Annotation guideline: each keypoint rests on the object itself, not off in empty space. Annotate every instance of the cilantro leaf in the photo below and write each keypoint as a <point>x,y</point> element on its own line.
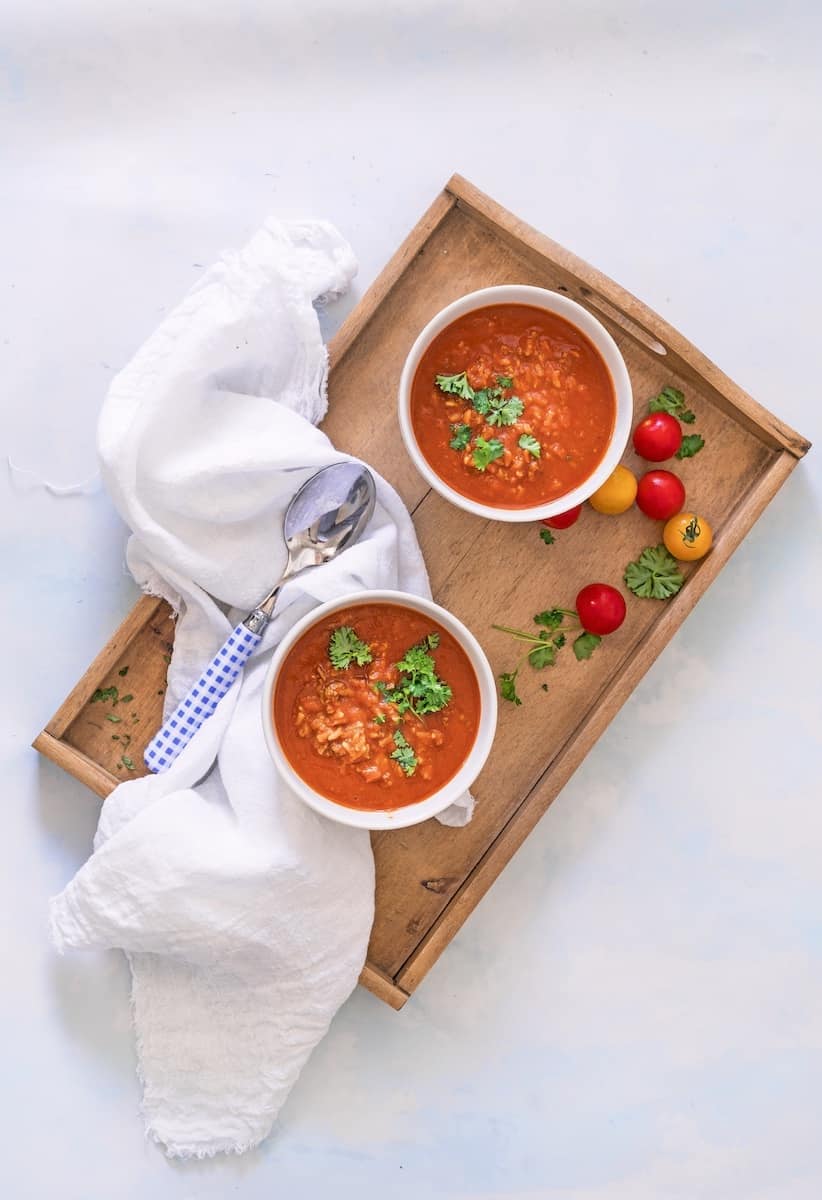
<point>420,689</point>
<point>482,400</point>
<point>379,719</point>
<point>655,574</point>
<point>692,443</point>
<point>128,763</point>
<point>505,412</point>
<point>114,719</point>
<point>486,452</point>
<point>552,618</point>
<point>504,381</point>
<point>404,754</point>
<point>528,442</point>
<point>345,647</point>
<point>559,641</point>
<point>460,436</point>
<point>547,537</point>
<point>542,656</point>
<point>455,385</point>
<point>671,400</point>
<point>508,687</point>
<point>585,645</point>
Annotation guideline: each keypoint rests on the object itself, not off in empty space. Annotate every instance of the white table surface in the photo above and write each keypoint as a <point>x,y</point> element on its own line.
<point>635,1011</point>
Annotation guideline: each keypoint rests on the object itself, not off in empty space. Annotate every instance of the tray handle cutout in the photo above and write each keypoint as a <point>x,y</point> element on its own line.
<point>604,308</point>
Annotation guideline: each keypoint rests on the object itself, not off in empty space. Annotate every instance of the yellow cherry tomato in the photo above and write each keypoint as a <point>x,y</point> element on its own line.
<point>688,536</point>
<point>616,494</point>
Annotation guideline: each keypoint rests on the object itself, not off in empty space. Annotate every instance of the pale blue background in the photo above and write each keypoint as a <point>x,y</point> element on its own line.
<point>635,1012</point>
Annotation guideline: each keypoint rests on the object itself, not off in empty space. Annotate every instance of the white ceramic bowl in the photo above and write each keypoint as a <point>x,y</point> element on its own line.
<point>585,322</point>
<point>410,814</point>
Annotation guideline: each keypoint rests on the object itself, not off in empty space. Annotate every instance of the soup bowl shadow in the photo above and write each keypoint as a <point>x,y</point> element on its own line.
<point>588,325</point>
<point>452,789</point>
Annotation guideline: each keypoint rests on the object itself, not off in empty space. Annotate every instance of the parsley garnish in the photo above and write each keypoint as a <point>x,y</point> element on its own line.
<point>486,452</point>
<point>461,436</point>
<point>547,537</point>
<point>345,647</point>
<point>692,443</point>
<point>552,618</point>
<point>504,381</point>
<point>542,646</point>
<point>528,442</point>
<point>455,385</point>
<point>504,412</point>
<point>655,574</point>
<point>585,645</point>
<point>508,686</point>
<point>114,719</point>
<point>404,754</point>
<point>671,400</point>
<point>420,690</point>
<point>109,693</point>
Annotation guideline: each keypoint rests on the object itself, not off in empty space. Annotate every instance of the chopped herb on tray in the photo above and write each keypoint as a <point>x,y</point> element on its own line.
<point>600,609</point>
<point>654,575</point>
<point>692,443</point>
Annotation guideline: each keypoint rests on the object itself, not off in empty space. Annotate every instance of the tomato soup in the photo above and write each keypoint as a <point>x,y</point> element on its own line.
<point>512,406</point>
<point>376,706</point>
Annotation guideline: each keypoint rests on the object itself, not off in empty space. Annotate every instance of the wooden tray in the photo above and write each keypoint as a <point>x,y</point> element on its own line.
<point>429,878</point>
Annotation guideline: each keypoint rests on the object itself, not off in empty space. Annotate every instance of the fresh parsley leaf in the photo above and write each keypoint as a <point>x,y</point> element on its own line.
<point>505,412</point>
<point>455,385</point>
<point>671,400</point>
<point>420,689</point>
<point>504,381</point>
<point>379,719</point>
<point>552,618</point>
<point>559,641</point>
<point>460,436</point>
<point>585,645</point>
<point>508,687</point>
<point>547,537</point>
<point>692,443</point>
<point>655,574</point>
<point>529,443</point>
<point>128,763</point>
<point>486,452</point>
<point>109,693</point>
<point>404,754</point>
<point>114,719</point>
<point>482,400</point>
<point>126,699</point>
<point>542,656</point>
<point>345,647</point>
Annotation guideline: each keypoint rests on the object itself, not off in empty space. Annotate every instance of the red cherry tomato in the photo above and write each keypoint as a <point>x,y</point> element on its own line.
<point>601,608</point>
<point>564,520</point>
<point>658,437</point>
<point>660,495</point>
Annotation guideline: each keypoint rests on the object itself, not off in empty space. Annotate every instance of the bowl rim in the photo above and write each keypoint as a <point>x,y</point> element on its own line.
<point>421,810</point>
<point>588,325</point>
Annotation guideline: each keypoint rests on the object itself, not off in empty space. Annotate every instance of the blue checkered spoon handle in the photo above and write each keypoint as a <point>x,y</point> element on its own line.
<point>181,725</point>
<point>326,515</point>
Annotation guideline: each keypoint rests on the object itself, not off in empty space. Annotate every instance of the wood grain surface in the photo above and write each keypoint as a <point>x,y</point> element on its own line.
<point>429,877</point>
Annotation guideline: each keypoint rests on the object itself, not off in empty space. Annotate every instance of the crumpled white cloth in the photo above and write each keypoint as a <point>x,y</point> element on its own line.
<point>244,914</point>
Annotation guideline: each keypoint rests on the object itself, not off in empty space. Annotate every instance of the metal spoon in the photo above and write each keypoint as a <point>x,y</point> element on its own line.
<point>328,513</point>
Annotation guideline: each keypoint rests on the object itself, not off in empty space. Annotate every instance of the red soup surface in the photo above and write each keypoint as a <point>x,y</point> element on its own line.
<point>376,706</point>
<point>524,409</point>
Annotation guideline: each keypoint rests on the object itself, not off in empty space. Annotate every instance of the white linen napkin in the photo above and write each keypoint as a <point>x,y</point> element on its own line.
<point>244,914</point>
